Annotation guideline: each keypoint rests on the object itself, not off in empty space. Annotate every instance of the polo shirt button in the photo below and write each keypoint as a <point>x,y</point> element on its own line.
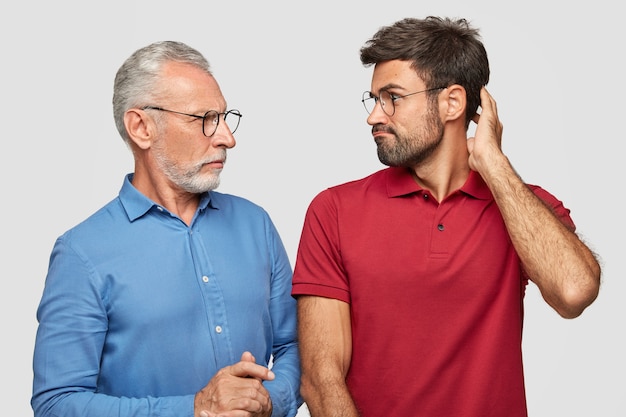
<point>440,227</point>
<point>425,196</point>
<point>205,278</point>
<point>218,329</point>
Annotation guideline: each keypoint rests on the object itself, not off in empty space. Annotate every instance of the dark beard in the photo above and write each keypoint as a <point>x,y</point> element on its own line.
<point>413,150</point>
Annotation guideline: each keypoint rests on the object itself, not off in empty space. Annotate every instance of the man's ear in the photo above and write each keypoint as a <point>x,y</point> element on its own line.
<point>454,102</point>
<point>140,128</point>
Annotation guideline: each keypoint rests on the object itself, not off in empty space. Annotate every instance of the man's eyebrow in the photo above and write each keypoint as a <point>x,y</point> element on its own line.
<point>391,86</point>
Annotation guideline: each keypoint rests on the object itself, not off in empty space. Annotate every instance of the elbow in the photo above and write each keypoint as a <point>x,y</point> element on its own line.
<point>316,388</point>
<point>571,310</point>
<point>576,298</point>
<point>307,388</point>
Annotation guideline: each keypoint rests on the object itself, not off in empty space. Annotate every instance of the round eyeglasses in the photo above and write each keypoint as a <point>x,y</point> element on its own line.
<point>210,119</point>
<point>387,100</point>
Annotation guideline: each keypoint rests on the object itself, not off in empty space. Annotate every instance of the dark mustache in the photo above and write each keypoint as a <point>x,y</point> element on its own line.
<point>382,128</point>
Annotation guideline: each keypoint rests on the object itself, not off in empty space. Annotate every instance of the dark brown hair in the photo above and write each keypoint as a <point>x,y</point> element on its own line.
<point>442,51</point>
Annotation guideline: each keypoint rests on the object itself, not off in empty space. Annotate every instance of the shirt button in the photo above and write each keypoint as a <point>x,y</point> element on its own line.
<point>440,227</point>
<point>425,196</point>
<point>218,329</point>
<point>205,278</point>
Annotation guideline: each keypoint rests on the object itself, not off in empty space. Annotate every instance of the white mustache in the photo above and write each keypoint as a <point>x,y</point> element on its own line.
<point>220,157</point>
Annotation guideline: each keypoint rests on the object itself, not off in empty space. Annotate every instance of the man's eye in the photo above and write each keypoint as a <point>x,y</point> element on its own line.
<point>394,97</point>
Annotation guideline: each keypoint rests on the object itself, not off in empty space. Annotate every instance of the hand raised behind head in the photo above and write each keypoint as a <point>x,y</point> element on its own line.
<point>486,143</point>
<point>235,391</point>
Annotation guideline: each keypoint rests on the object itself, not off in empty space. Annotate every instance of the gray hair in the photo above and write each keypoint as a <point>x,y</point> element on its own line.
<point>135,81</point>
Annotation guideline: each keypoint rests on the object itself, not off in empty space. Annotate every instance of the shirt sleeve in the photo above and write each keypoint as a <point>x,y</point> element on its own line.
<point>557,207</point>
<point>285,388</point>
<point>68,348</point>
<point>319,266</point>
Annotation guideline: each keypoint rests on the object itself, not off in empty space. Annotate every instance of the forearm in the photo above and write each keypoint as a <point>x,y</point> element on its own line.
<point>86,404</point>
<point>326,350</point>
<point>285,388</point>
<point>565,270</point>
<point>327,398</point>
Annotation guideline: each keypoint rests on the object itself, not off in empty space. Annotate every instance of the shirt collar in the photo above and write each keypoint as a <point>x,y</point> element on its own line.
<point>136,204</point>
<point>400,182</point>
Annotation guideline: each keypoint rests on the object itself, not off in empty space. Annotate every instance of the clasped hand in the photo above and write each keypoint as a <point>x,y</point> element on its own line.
<point>236,391</point>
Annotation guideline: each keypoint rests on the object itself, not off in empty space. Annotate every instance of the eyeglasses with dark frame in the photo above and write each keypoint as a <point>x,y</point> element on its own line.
<point>386,100</point>
<point>210,119</point>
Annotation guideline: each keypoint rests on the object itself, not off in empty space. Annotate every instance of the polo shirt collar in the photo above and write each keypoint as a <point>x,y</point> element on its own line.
<point>400,182</point>
<point>136,204</point>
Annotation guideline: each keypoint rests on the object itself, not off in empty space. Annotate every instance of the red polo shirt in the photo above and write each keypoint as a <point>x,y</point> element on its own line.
<point>435,291</point>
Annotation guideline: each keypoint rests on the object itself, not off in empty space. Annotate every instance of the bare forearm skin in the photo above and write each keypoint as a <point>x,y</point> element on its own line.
<point>555,259</point>
<point>327,399</point>
<point>325,342</point>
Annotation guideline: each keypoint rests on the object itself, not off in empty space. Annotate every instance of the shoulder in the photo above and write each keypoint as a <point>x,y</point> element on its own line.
<point>94,235</point>
<point>349,198</point>
<point>376,181</point>
<point>105,218</point>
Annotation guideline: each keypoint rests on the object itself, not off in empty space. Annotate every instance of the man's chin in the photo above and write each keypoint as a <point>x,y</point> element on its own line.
<point>199,187</point>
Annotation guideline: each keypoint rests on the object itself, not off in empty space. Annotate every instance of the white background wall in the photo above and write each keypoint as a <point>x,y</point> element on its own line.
<point>294,72</point>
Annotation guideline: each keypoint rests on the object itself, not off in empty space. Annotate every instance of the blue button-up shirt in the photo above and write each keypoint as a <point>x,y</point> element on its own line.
<point>139,310</point>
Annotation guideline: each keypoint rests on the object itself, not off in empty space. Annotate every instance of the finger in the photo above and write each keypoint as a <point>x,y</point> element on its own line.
<point>230,413</point>
<point>247,357</point>
<point>227,392</point>
<point>251,369</point>
<point>253,401</point>
<point>233,413</point>
<point>249,396</point>
<point>487,102</point>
